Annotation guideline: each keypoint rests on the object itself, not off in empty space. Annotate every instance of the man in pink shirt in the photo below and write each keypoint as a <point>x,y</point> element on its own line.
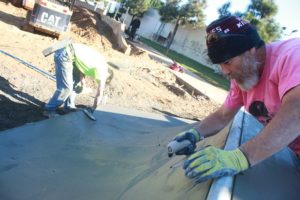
<point>266,80</point>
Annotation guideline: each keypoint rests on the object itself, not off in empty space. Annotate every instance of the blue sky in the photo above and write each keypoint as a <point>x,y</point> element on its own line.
<point>288,14</point>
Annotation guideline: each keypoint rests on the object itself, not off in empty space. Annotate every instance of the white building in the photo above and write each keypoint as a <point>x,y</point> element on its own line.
<point>188,41</point>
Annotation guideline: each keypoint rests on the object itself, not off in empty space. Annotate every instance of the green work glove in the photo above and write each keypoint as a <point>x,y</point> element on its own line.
<point>193,136</point>
<point>211,162</point>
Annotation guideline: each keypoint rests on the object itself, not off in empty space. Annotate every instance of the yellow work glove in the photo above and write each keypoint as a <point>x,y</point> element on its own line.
<point>191,135</point>
<point>211,162</point>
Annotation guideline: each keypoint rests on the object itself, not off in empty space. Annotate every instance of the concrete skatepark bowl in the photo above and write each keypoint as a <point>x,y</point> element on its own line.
<point>120,156</point>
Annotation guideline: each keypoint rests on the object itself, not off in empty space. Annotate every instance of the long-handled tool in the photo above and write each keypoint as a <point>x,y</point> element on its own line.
<point>89,114</point>
<point>30,66</point>
<point>58,45</point>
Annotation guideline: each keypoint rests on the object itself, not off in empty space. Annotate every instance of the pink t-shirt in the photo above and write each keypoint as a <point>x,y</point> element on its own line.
<point>281,73</point>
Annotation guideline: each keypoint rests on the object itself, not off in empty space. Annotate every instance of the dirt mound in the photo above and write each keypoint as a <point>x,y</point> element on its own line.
<point>84,28</point>
<point>84,25</point>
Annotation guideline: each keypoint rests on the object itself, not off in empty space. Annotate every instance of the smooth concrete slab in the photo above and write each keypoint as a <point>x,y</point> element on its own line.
<point>276,178</point>
<point>120,156</point>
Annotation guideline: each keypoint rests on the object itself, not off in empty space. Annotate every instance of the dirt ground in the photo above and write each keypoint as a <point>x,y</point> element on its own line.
<point>144,85</point>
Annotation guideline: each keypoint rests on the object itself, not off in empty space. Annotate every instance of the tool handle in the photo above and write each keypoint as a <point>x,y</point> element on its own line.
<point>175,146</point>
<point>58,45</point>
<point>88,114</point>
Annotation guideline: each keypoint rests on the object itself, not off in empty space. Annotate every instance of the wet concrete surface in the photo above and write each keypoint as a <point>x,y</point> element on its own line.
<point>122,155</point>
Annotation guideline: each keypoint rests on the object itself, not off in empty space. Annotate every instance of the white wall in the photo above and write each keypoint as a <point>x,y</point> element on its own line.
<point>191,43</point>
<point>149,24</point>
<point>188,41</point>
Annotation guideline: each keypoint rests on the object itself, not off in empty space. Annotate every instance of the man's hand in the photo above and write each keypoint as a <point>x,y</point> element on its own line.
<point>191,135</point>
<point>78,88</point>
<point>212,162</point>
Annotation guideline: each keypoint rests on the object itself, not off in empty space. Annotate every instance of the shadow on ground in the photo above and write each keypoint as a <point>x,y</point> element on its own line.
<point>19,108</point>
<point>11,19</point>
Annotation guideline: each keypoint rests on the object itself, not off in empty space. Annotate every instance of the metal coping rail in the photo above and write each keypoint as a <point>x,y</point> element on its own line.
<point>221,188</point>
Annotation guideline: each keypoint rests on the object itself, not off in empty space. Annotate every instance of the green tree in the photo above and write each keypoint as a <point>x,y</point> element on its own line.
<point>262,8</point>
<point>259,13</point>
<point>156,4</point>
<point>138,7</point>
<point>224,10</point>
<point>181,13</point>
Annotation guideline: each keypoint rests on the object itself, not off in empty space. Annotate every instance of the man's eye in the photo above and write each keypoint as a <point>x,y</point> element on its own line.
<point>227,62</point>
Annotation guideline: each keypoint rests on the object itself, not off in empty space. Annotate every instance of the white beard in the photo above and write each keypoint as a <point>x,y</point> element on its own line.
<point>249,82</point>
<point>250,73</point>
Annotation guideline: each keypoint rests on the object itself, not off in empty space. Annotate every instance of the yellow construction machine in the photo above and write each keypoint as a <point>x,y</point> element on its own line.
<point>49,16</point>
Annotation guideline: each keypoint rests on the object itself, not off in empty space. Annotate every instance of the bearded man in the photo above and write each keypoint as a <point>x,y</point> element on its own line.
<point>265,79</point>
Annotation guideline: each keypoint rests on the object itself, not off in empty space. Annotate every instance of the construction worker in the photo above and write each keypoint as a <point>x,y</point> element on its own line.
<point>134,26</point>
<point>265,79</point>
<point>72,64</point>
